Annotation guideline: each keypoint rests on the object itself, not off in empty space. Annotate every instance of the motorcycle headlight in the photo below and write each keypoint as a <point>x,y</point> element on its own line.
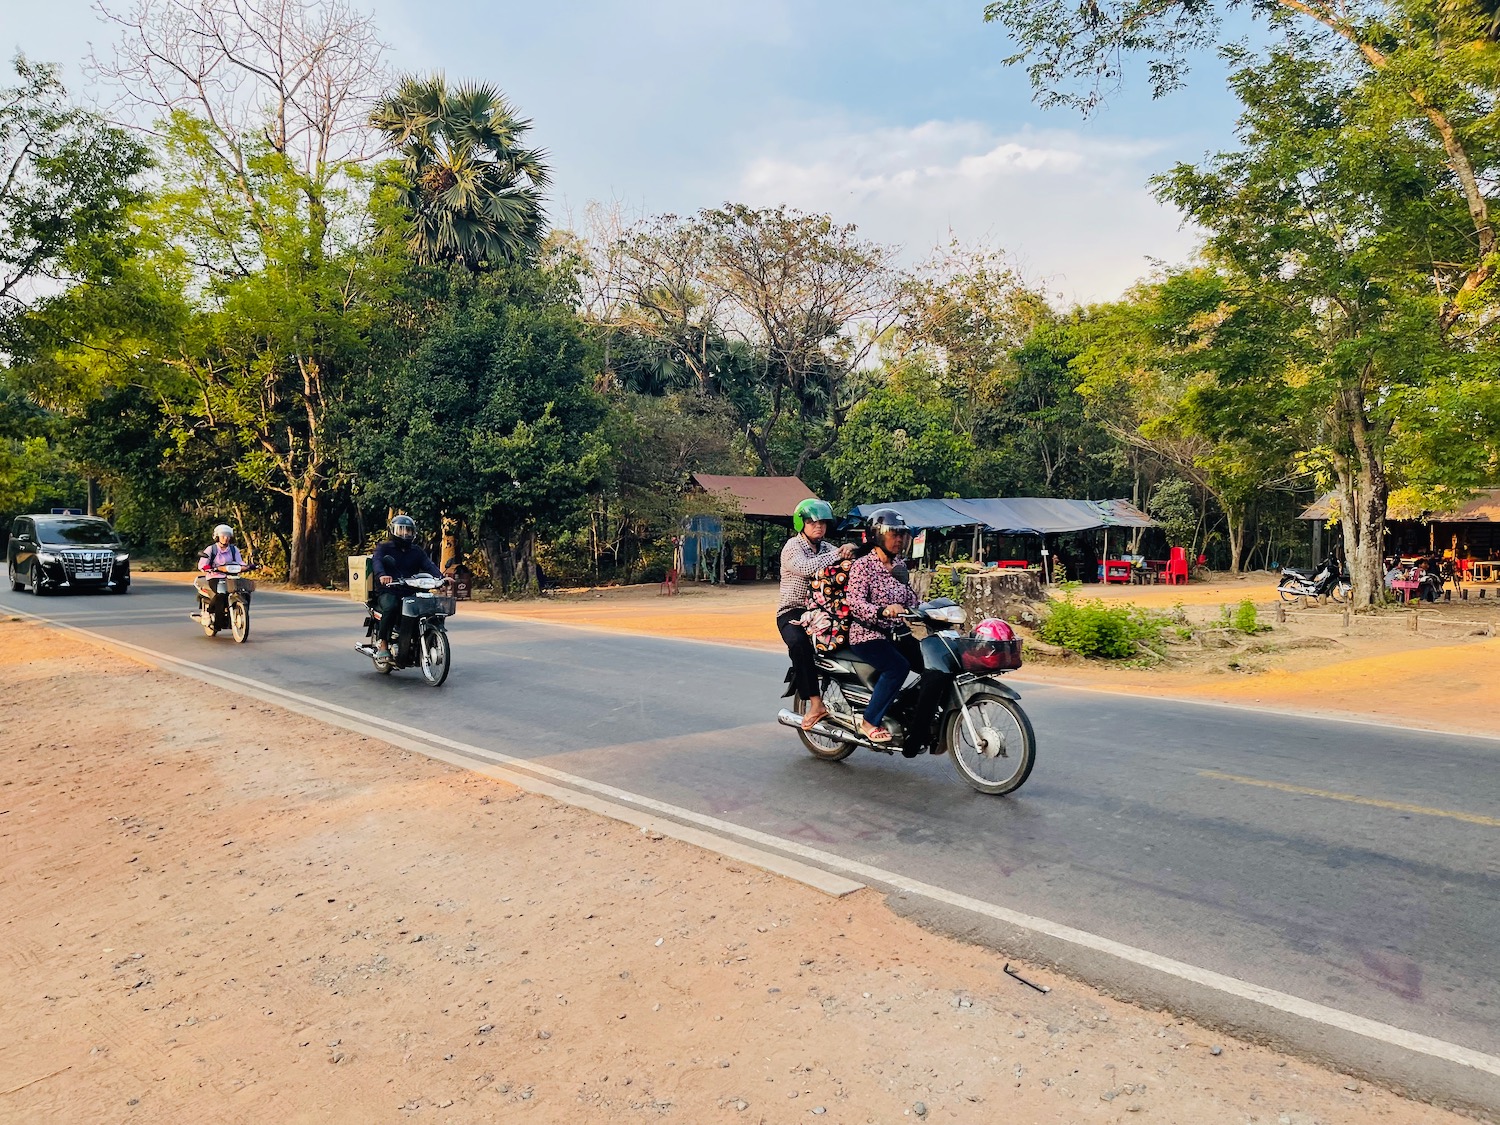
<point>952,614</point>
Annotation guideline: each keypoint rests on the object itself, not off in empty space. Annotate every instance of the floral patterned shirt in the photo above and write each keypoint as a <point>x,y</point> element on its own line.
<point>872,587</point>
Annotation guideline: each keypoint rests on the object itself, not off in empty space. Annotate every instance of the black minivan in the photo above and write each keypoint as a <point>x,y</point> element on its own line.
<point>51,553</point>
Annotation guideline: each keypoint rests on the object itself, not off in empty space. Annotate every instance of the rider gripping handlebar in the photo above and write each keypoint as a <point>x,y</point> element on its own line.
<point>396,559</point>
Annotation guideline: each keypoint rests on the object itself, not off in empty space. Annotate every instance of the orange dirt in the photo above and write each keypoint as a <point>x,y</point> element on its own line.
<point>216,911</point>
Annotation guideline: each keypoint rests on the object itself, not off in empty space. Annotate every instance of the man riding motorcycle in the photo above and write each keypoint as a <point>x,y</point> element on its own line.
<point>396,559</point>
<point>221,552</point>
<point>803,556</point>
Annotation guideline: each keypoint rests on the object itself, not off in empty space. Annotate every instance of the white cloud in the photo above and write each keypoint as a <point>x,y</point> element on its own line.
<point>1072,210</point>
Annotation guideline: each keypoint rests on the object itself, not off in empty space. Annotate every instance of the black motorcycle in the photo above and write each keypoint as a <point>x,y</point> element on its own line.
<point>234,608</point>
<point>420,637</point>
<point>1327,580</point>
<point>979,720</point>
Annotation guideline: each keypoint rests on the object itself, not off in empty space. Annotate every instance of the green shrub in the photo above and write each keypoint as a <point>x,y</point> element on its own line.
<point>1245,618</point>
<point>1096,628</point>
<point>946,584</point>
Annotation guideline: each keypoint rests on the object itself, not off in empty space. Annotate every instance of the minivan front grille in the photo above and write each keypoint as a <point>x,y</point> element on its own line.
<point>88,563</point>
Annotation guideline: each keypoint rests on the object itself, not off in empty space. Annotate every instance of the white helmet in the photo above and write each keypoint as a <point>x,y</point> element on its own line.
<point>223,529</point>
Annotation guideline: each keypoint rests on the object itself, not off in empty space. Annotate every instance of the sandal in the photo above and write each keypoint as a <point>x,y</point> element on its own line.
<point>878,735</point>
<point>812,719</point>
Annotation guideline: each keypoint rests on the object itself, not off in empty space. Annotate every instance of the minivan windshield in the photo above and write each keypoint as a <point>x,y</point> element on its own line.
<point>85,532</point>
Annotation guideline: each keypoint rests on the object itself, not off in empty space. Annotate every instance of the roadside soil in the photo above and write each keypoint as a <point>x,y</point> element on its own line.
<point>218,911</point>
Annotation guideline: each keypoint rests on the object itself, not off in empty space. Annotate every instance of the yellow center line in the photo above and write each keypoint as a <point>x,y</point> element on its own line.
<point>1397,806</point>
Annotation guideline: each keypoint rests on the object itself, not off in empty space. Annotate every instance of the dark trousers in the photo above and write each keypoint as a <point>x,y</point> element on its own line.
<point>892,667</point>
<point>390,612</point>
<point>800,648</point>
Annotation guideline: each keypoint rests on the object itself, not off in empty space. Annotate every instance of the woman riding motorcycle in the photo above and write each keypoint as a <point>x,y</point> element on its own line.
<point>221,552</point>
<point>398,558</point>
<point>875,597</point>
<point>804,555</point>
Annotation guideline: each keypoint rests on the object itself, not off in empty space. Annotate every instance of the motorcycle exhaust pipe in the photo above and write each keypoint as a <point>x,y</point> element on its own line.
<point>827,730</point>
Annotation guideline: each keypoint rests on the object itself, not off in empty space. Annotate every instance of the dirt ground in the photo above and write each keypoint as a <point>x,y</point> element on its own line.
<point>217,911</point>
<point>1443,676</point>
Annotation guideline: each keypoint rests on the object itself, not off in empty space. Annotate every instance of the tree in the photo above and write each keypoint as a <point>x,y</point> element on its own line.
<point>1192,369</point>
<point>491,415</point>
<point>472,193</point>
<point>262,109</point>
<point>66,180</point>
<point>899,444</point>
<point>1334,214</point>
<point>1434,63</point>
<point>775,310</point>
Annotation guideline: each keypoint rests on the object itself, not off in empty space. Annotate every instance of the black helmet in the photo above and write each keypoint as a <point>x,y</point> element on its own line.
<point>404,527</point>
<point>883,520</point>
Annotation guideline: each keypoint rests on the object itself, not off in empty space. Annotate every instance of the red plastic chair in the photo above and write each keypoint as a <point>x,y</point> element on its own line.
<point>1177,567</point>
<point>668,584</point>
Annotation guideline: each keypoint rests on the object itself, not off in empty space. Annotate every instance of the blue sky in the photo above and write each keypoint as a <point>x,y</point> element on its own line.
<point>897,116</point>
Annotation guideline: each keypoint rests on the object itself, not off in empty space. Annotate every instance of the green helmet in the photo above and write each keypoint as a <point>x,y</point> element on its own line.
<point>809,511</point>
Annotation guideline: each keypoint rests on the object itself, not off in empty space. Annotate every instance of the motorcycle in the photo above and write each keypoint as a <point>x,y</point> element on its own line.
<point>1326,581</point>
<point>234,611</point>
<point>420,637</point>
<point>980,723</point>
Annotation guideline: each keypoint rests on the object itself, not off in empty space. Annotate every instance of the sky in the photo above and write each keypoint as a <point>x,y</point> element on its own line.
<point>896,115</point>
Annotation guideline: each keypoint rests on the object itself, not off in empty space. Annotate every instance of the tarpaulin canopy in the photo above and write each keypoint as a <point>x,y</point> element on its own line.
<point>1021,515</point>
<point>921,513</point>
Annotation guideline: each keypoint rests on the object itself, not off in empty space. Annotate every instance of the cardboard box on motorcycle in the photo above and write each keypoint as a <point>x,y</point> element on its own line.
<point>361,577</point>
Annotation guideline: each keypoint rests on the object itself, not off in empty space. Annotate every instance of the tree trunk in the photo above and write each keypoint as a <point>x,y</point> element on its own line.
<point>452,549</point>
<point>1234,523</point>
<point>302,566</point>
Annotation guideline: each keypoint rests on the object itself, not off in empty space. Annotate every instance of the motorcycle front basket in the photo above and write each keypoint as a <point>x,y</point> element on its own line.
<point>239,585</point>
<point>977,655</point>
<point>423,605</point>
<point>446,604</point>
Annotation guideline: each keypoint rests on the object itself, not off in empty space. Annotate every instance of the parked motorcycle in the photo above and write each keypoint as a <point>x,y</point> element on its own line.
<point>421,636</point>
<point>234,611</point>
<point>980,723</point>
<point>1327,580</point>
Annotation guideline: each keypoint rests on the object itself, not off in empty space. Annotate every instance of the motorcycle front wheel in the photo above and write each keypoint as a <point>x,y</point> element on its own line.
<point>821,746</point>
<point>998,720</point>
<point>1340,592</point>
<point>434,652</point>
<point>239,621</point>
<point>206,619</point>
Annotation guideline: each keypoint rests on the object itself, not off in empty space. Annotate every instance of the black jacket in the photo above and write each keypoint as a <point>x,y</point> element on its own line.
<point>402,559</point>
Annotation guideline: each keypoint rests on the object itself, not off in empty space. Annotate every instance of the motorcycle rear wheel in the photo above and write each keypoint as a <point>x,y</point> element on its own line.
<point>1002,717</point>
<point>821,746</point>
<point>239,621</point>
<point>1287,594</point>
<point>434,652</point>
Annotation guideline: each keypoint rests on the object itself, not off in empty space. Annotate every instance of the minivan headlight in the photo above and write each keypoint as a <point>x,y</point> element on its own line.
<point>45,557</point>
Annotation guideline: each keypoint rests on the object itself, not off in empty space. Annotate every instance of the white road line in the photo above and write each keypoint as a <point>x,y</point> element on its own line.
<point>1207,978</point>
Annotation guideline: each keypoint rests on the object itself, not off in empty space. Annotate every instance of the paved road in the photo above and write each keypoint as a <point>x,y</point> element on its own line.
<point>1355,866</point>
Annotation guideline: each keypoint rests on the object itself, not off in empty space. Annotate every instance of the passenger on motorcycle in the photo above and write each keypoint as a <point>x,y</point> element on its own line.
<point>221,552</point>
<point>396,559</point>
<point>876,597</point>
<point>803,556</point>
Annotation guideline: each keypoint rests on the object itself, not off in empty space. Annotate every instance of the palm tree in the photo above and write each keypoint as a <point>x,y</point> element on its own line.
<point>473,193</point>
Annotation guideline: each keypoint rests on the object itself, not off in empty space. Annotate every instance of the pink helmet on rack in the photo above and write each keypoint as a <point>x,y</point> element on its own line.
<point>994,629</point>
